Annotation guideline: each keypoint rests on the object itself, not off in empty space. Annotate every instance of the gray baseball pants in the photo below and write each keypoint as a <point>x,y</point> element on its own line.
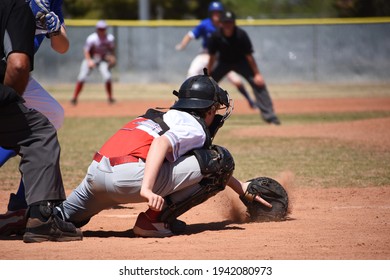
<point>106,186</point>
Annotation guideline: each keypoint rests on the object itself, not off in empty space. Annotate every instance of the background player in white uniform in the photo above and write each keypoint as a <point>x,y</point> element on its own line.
<point>204,30</point>
<point>51,26</point>
<point>99,51</point>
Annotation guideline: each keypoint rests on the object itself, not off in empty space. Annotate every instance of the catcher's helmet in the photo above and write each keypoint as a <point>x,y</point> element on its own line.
<point>200,92</point>
<point>215,7</point>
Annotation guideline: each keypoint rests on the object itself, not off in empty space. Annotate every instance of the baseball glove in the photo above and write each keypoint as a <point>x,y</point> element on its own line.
<point>271,191</point>
<point>111,59</point>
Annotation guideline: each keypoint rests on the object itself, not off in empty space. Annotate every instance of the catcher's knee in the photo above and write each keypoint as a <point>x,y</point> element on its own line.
<point>215,162</point>
<point>217,165</point>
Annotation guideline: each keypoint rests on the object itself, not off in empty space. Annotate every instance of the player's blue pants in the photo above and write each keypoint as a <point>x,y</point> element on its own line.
<point>5,155</point>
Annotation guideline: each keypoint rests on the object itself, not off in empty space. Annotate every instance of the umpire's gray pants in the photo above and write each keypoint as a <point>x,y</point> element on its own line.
<point>35,139</point>
<point>263,98</point>
<point>106,186</point>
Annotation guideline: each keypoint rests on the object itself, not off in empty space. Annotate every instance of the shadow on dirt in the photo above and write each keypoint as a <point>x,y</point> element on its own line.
<point>191,229</point>
<point>12,237</point>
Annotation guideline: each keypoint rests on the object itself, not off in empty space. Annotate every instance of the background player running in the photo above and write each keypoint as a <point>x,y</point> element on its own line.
<point>204,30</point>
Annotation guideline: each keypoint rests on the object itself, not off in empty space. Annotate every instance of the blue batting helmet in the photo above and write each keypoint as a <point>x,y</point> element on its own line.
<point>215,7</point>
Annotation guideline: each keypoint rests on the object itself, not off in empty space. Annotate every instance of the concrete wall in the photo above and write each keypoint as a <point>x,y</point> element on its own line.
<point>334,53</point>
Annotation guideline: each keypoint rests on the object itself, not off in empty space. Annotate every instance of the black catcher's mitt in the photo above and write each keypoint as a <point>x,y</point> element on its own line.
<point>271,191</point>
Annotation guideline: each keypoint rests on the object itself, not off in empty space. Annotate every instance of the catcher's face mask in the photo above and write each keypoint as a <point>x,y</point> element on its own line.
<point>226,102</point>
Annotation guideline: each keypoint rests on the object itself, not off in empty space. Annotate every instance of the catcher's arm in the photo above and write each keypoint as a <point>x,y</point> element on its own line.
<point>240,188</point>
<point>159,148</point>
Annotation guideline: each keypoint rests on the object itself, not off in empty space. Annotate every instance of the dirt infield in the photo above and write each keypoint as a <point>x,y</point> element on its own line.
<point>325,223</point>
<point>124,108</point>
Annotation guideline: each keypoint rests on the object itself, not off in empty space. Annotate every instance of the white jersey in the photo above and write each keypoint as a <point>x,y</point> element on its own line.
<point>99,47</point>
<point>185,133</point>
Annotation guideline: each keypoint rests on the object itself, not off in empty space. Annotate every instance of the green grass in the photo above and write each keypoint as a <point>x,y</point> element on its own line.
<point>315,162</point>
<point>136,91</point>
<point>289,119</point>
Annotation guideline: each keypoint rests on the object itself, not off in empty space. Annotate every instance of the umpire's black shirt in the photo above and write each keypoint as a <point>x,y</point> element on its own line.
<point>230,49</point>
<point>17,26</point>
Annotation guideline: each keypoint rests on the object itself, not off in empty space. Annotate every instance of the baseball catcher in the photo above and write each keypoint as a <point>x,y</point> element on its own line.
<point>272,192</point>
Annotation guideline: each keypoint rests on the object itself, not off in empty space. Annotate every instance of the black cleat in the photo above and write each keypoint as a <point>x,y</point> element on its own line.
<point>54,229</point>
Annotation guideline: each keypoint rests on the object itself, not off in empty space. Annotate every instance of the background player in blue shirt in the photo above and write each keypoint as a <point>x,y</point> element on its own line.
<point>204,30</point>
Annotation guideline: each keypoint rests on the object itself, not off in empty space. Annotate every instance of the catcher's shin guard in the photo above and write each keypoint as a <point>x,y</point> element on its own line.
<point>174,210</point>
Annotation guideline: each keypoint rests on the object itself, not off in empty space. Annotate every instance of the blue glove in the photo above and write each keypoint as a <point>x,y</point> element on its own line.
<point>40,8</point>
<point>53,24</point>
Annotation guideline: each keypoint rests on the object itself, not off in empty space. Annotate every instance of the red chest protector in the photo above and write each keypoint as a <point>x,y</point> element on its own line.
<point>135,137</point>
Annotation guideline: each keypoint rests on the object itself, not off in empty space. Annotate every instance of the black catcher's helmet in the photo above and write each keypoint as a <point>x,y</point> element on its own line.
<point>200,92</point>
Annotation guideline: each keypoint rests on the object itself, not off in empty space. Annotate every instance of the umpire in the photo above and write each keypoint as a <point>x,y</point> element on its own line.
<point>231,50</point>
<point>27,131</point>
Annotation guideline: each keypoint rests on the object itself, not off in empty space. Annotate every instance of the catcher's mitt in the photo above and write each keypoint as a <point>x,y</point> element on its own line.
<point>271,191</point>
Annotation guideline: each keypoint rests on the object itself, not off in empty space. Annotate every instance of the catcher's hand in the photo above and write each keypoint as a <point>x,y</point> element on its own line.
<point>269,190</point>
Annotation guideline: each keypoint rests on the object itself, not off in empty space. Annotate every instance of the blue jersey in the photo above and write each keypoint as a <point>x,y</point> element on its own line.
<point>56,7</point>
<point>204,31</point>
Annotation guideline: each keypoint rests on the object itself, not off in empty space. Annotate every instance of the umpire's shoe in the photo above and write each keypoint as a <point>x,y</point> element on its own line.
<point>44,225</point>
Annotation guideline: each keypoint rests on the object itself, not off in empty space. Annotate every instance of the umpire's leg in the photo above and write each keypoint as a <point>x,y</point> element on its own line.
<point>263,98</point>
<point>32,134</point>
<point>220,71</point>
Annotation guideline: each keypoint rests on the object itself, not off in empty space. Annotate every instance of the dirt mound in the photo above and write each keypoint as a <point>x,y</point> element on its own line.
<point>332,223</point>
